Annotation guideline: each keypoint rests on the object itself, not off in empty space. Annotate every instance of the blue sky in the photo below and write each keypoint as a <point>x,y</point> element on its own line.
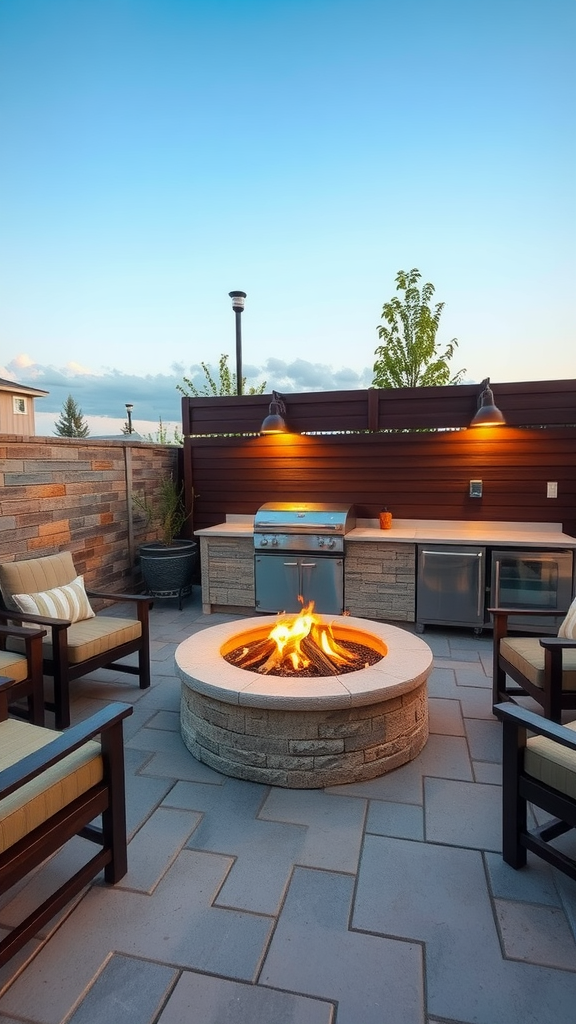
<point>159,153</point>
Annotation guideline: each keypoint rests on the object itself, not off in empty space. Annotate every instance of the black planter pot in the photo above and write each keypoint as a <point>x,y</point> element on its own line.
<point>168,571</point>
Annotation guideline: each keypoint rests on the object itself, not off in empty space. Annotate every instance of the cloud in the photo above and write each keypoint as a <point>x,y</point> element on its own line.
<point>154,397</point>
<point>300,375</point>
<point>77,370</point>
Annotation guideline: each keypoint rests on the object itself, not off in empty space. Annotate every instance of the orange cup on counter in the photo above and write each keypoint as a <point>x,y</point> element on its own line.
<point>385,520</point>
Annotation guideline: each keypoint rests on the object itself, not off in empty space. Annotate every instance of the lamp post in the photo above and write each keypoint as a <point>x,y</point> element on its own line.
<point>238,306</point>
<point>129,407</point>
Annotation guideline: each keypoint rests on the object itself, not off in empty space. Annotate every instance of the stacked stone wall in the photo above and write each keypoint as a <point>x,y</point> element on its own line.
<point>66,494</point>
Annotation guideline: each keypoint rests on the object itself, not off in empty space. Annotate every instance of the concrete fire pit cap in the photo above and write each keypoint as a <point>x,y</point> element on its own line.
<point>200,665</point>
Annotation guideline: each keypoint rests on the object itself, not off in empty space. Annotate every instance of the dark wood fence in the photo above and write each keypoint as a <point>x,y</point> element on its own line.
<point>532,403</point>
<point>408,449</point>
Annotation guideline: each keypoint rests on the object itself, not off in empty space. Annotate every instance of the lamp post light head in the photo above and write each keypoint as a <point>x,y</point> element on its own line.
<point>129,407</point>
<point>237,301</point>
<point>238,306</point>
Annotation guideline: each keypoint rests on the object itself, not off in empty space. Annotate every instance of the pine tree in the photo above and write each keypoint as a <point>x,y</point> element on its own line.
<point>71,422</point>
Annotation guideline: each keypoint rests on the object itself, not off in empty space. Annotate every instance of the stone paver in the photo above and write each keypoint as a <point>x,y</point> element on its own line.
<point>538,935</point>
<point>381,902</point>
<point>197,999</point>
<point>374,979</point>
<point>128,990</point>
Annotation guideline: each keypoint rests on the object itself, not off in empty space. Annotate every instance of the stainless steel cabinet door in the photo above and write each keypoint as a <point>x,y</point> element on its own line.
<point>281,579</point>
<point>451,585</point>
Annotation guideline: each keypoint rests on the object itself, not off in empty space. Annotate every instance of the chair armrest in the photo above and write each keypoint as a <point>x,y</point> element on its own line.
<point>140,599</point>
<point>39,620</point>
<point>525,719</point>
<point>557,642</point>
<point>118,597</point>
<point>29,767</point>
<point>21,631</point>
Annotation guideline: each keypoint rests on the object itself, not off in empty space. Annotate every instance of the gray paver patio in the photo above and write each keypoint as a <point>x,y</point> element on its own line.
<point>383,902</point>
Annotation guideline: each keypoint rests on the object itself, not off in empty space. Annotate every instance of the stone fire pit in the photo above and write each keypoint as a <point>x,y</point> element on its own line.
<point>304,733</point>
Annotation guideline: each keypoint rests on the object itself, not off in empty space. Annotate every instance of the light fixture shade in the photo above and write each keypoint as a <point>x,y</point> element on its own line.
<point>274,423</point>
<point>237,301</point>
<point>488,414</point>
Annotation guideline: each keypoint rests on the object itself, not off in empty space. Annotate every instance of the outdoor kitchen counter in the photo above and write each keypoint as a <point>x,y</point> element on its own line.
<point>379,565</point>
<point>422,531</point>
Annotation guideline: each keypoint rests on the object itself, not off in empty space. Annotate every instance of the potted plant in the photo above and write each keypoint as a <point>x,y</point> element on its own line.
<point>167,564</point>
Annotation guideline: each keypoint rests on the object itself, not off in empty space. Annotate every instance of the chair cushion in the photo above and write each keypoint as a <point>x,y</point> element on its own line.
<point>568,626</point>
<point>33,575</point>
<point>36,801</point>
<point>90,638</point>
<point>15,666</point>
<point>526,654</point>
<point>68,602</point>
<point>551,763</point>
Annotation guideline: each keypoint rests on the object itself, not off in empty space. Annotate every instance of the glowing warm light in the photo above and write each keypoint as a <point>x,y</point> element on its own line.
<point>289,635</point>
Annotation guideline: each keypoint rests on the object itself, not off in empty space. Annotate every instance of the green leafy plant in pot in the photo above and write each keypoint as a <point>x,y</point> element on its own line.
<point>167,564</point>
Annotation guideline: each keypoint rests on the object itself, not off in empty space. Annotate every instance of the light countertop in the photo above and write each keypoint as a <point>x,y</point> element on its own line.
<point>427,531</point>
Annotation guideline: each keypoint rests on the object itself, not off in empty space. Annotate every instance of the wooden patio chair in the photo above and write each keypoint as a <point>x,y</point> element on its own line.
<point>539,768</point>
<point>543,668</point>
<point>25,671</point>
<point>52,787</point>
<point>48,592</point>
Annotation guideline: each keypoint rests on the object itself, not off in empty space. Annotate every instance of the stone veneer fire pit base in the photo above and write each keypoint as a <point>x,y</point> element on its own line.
<point>304,733</point>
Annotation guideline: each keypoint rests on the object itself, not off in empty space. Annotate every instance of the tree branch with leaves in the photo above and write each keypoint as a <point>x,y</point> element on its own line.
<point>410,356</point>
<point>225,385</point>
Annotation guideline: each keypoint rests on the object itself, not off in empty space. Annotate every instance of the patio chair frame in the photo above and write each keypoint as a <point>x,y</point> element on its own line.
<point>552,697</point>
<point>64,672</point>
<point>105,799</point>
<point>32,688</point>
<point>519,788</point>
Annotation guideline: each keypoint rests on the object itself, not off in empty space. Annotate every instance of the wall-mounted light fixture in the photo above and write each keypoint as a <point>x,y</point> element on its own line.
<point>275,422</point>
<point>488,414</point>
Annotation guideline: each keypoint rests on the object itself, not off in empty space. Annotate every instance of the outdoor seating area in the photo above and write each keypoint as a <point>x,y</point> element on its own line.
<point>53,787</point>
<point>543,668</point>
<point>384,901</point>
<point>47,591</point>
<point>539,766</point>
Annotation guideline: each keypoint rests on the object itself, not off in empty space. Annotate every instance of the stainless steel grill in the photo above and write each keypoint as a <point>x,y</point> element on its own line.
<point>299,556</point>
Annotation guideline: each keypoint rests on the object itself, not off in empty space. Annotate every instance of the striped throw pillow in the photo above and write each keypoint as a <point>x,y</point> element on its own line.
<point>568,628</point>
<point>69,602</point>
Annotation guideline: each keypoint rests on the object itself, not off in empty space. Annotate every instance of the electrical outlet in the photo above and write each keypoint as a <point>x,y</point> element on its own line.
<point>552,489</point>
<point>475,489</point>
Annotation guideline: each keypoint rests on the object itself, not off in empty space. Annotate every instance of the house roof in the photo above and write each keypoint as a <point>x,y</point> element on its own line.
<point>20,389</point>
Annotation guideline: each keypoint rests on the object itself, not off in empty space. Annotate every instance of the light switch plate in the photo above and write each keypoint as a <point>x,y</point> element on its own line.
<point>552,489</point>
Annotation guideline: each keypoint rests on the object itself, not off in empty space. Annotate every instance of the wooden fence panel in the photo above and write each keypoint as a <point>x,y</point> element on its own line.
<point>530,403</point>
<point>416,474</point>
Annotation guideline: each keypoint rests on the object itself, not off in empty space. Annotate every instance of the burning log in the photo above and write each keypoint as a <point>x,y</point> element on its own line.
<point>245,657</point>
<point>318,658</point>
<point>302,646</point>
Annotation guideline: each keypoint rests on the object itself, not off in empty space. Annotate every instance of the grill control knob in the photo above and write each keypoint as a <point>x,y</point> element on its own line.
<point>274,542</point>
<point>263,542</point>
<point>331,542</point>
<point>321,542</point>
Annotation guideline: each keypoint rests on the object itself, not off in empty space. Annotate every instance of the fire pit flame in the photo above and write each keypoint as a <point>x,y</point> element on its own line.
<point>302,644</point>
